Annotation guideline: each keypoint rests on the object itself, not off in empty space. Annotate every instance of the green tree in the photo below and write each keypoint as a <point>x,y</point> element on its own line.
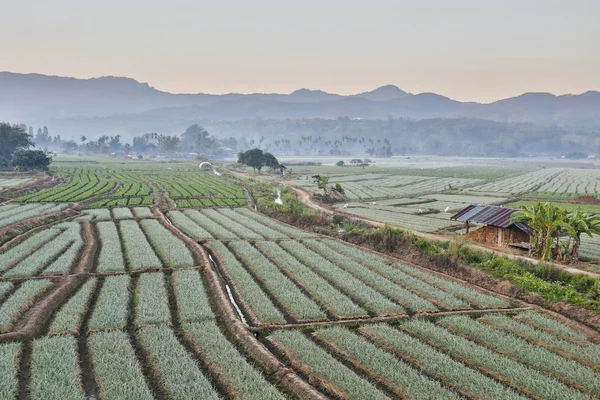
<point>31,159</point>
<point>322,181</point>
<point>578,223</point>
<point>547,222</point>
<point>253,158</point>
<point>196,138</point>
<point>13,138</point>
<point>83,139</point>
<point>269,160</point>
<point>557,233</point>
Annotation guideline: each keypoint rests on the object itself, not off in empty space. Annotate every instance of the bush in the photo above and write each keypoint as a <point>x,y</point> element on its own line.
<point>31,159</point>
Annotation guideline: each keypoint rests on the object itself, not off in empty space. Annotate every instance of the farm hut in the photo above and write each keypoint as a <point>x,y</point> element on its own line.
<point>498,230</point>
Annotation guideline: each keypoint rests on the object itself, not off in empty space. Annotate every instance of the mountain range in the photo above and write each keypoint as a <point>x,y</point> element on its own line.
<point>123,105</point>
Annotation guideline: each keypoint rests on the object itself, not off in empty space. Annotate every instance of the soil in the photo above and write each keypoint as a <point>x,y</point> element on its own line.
<point>586,199</point>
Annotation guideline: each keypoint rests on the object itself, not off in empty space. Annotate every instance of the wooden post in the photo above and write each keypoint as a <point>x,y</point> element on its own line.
<point>467,223</point>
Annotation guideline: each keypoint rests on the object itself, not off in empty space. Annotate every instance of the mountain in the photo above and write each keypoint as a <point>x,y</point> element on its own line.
<point>383,93</point>
<point>123,105</point>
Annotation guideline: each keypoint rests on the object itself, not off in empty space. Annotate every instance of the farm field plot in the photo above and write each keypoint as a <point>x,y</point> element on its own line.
<point>325,279</point>
<point>590,249</point>
<point>357,188</point>
<point>232,224</point>
<point>10,182</point>
<point>13,213</point>
<point>131,186</point>
<point>412,220</point>
<point>136,329</point>
<point>549,181</point>
<point>587,208</point>
<point>490,356</point>
<point>52,251</point>
<point>116,213</point>
<point>153,360</point>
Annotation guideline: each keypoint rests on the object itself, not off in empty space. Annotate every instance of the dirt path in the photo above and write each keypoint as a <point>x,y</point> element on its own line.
<point>306,198</point>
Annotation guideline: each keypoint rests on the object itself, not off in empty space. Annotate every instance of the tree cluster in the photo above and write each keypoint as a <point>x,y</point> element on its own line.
<point>557,233</point>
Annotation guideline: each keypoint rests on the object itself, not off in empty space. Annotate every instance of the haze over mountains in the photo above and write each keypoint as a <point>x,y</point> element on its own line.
<point>114,105</point>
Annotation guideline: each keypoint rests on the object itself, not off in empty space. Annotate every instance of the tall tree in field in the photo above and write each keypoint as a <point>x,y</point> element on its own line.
<point>256,159</point>
<point>83,140</point>
<point>12,138</point>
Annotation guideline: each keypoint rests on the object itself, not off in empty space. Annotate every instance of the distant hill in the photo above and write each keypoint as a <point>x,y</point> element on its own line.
<point>79,106</point>
<point>383,93</point>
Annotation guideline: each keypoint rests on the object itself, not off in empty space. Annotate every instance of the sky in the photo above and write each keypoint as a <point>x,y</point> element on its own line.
<point>468,50</point>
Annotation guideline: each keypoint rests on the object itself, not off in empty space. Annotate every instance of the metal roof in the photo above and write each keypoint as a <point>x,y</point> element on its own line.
<point>490,215</point>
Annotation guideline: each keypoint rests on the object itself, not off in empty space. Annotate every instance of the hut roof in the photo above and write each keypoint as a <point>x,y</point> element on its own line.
<point>491,215</point>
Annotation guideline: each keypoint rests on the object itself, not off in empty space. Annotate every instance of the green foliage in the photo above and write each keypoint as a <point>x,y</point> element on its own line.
<point>577,289</point>
<point>178,372</point>
<point>248,383</point>
<point>13,138</point>
<point>550,225</point>
<point>116,367</point>
<point>31,159</point>
<point>326,366</point>
<point>403,378</point>
<point>256,159</point>
<point>55,372</point>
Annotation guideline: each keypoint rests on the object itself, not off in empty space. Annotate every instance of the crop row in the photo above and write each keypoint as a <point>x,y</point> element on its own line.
<point>50,251</point>
<point>10,182</point>
<point>314,279</point>
<point>493,357</point>
<point>55,256</point>
<point>12,213</point>
<point>125,201</point>
<point>117,213</point>
<point>202,364</point>
<point>55,372</point>
<point>115,187</point>
<point>413,221</point>
<point>20,300</point>
<point>131,248</point>
<point>446,292</point>
<point>226,224</point>
<point>84,183</point>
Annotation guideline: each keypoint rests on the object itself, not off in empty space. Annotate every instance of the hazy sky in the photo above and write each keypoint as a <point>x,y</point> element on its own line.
<point>479,50</point>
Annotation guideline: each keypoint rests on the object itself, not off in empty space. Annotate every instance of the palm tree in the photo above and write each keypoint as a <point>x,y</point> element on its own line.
<point>547,223</point>
<point>578,223</point>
